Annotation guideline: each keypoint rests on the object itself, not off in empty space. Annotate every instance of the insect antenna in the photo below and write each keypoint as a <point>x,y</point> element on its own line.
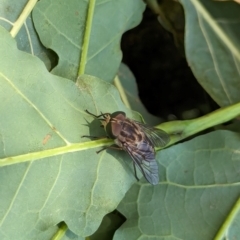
<point>98,116</point>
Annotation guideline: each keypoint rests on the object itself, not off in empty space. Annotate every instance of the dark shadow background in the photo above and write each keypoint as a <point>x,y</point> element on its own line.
<point>167,86</point>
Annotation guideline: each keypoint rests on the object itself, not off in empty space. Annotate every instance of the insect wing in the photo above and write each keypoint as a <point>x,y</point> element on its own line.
<point>144,157</point>
<point>158,137</point>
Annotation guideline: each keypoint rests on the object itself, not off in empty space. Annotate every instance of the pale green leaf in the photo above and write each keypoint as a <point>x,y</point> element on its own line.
<point>56,179</point>
<point>212,43</point>
<point>27,39</point>
<point>61,26</point>
<point>199,185</point>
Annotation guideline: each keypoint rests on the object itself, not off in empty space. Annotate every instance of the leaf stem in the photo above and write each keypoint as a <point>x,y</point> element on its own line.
<point>61,231</point>
<point>179,130</point>
<point>22,18</point>
<point>86,39</point>
<point>54,152</point>
<point>184,129</point>
<point>229,220</point>
<point>121,91</point>
<point>216,28</point>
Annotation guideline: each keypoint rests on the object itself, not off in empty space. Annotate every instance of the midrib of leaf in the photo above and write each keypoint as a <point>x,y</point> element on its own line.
<point>22,18</point>
<point>86,39</point>
<point>222,233</point>
<point>183,129</point>
<point>122,92</point>
<point>205,186</point>
<point>216,28</point>
<point>34,106</point>
<point>179,129</point>
<point>54,152</point>
<point>61,231</point>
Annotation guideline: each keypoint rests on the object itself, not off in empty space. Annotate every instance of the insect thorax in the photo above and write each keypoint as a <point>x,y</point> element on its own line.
<point>130,132</point>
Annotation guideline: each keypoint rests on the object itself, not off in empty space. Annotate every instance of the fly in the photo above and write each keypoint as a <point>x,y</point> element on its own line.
<point>137,139</point>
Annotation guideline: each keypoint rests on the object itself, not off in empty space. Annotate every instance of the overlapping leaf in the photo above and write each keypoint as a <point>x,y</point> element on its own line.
<point>40,111</point>
<point>27,39</point>
<point>61,27</point>
<point>212,47</point>
<point>200,183</point>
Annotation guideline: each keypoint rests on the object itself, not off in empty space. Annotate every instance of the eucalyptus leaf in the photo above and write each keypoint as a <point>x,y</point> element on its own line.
<point>199,185</point>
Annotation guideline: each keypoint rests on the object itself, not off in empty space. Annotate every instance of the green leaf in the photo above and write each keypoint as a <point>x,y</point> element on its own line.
<point>212,47</point>
<point>27,39</point>
<point>51,177</point>
<point>62,27</point>
<point>56,179</point>
<point>200,183</point>
<point>64,233</point>
<point>230,228</point>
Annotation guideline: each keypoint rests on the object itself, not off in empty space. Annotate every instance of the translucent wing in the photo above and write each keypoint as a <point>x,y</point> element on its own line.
<point>144,157</point>
<point>158,137</point>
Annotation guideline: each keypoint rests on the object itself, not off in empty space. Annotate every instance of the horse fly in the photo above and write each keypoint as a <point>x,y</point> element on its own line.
<point>137,139</point>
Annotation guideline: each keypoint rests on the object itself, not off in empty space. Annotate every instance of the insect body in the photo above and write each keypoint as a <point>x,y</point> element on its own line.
<point>137,139</point>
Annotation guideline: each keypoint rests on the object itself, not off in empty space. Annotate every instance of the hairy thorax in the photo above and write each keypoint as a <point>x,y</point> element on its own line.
<point>130,133</point>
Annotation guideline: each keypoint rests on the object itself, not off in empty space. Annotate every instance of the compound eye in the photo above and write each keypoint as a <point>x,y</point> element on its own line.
<point>114,126</point>
<point>113,129</point>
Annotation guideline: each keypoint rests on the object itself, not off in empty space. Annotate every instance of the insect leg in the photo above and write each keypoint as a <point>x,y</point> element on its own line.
<point>101,150</point>
<point>94,137</point>
<point>111,146</point>
<point>135,172</point>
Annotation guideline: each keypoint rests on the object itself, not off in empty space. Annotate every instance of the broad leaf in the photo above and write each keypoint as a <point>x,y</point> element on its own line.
<point>56,179</point>
<point>200,183</point>
<point>212,43</point>
<point>27,39</point>
<point>61,27</point>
